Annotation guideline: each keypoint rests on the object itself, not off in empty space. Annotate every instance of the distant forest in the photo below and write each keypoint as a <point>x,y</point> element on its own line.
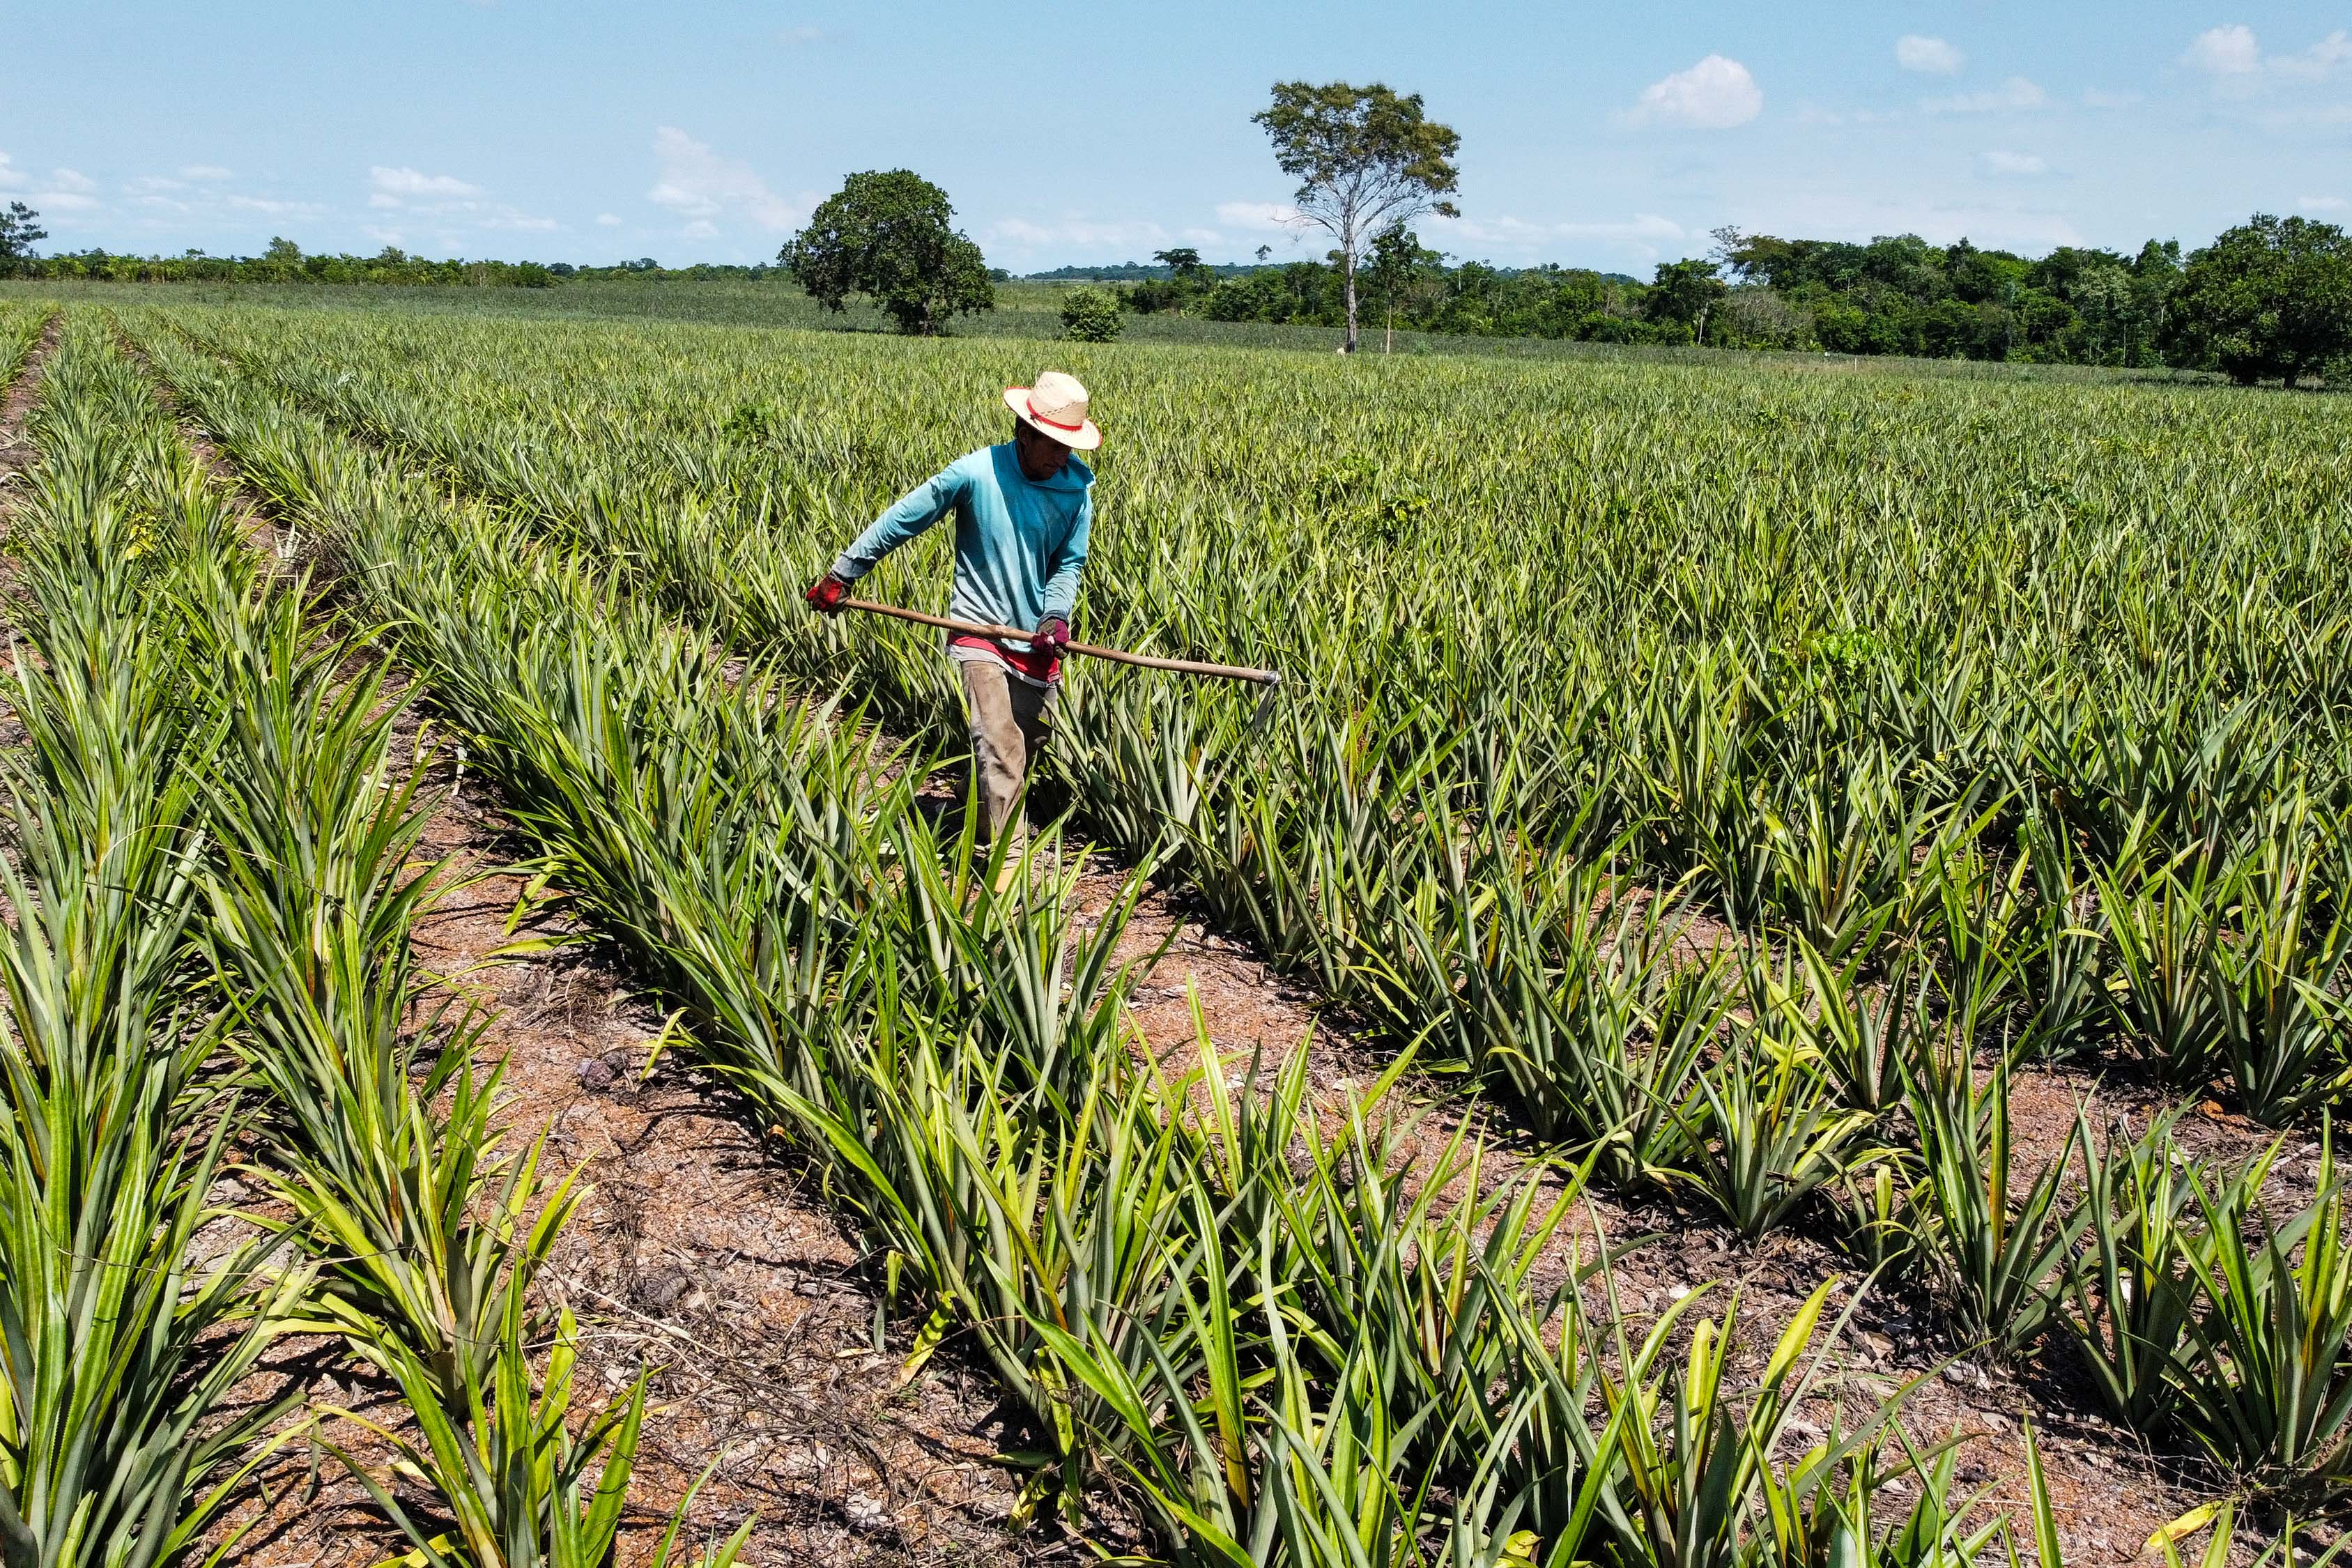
<point>1898,295</point>
<point>2272,297</point>
<point>2269,299</point>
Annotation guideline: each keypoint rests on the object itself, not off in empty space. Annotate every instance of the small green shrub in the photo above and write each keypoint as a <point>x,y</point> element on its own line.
<point>752,422</point>
<point>1091,315</point>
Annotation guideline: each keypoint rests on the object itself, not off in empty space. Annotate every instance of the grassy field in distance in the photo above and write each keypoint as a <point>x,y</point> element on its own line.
<point>1024,311</point>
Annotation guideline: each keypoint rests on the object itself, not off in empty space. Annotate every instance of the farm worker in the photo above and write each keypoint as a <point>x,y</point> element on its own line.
<point>1021,513</point>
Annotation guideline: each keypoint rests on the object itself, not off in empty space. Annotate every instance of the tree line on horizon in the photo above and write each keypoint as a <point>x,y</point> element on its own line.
<point>2268,300</point>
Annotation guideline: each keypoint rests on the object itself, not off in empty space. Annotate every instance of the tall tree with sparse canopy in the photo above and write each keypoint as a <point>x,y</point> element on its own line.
<point>891,237</point>
<point>1367,161</point>
<point>20,230</point>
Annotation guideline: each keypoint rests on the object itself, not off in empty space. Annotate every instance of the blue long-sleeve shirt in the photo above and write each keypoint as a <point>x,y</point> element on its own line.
<point>1020,543</point>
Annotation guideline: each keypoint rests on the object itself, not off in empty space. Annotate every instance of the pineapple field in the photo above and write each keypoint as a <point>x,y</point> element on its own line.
<point>1770,990</point>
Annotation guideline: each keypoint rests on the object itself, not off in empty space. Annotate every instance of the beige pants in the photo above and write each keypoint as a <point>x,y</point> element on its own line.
<point>1011,722</point>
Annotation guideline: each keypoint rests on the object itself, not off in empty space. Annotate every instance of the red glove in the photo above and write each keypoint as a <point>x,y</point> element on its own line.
<point>827,594</point>
<point>1053,635</point>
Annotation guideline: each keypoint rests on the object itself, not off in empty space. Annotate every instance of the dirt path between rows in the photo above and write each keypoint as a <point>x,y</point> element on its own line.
<point>17,455</point>
<point>16,405</point>
<point>664,1271</point>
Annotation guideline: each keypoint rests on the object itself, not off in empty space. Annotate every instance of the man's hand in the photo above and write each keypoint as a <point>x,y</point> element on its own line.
<point>1053,635</point>
<point>827,594</point>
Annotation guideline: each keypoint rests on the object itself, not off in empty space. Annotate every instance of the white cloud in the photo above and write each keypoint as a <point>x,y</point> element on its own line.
<point>700,228</point>
<point>66,190</point>
<point>1814,114</point>
<point>273,206</point>
<point>2317,60</point>
<point>1837,216</point>
<point>2226,51</point>
<point>1640,226</point>
<point>147,185</point>
<point>1933,56</point>
<point>2017,92</point>
<point>1129,238</point>
<point>697,183</point>
<point>1713,95</point>
<point>404,182</point>
<point>2234,57</point>
<point>447,197</point>
<point>608,220</point>
<point>1645,235</point>
<point>2322,204</point>
<point>2015,163</point>
<point>1519,232</point>
<point>1259,216</point>
<point>203,172</point>
<point>1504,233</point>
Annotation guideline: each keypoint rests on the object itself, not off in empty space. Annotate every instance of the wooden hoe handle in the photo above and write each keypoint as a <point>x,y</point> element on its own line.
<point>1116,656</point>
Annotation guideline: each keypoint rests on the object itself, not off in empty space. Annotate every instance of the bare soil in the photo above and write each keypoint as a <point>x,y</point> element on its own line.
<point>22,393</point>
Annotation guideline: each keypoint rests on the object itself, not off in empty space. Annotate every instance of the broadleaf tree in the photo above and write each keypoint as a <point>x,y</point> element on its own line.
<point>1189,278</point>
<point>2271,297</point>
<point>1184,264</point>
<point>1402,273</point>
<point>1367,160</point>
<point>1685,291</point>
<point>890,236</point>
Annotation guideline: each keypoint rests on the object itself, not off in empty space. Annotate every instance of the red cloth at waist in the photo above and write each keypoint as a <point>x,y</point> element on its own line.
<point>1037,663</point>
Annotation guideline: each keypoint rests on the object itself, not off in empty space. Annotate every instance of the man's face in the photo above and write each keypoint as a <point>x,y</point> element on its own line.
<point>1041,456</point>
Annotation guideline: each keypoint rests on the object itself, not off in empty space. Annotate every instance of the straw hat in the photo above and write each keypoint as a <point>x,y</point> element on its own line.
<point>1055,407</point>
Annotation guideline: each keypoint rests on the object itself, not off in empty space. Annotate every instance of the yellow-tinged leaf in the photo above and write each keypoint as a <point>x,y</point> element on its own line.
<point>530,944</point>
<point>415,1556</point>
<point>2181,1529</point>
<point>927,1340</point>
<point>1799,1333</point>
<point>668,1038</point>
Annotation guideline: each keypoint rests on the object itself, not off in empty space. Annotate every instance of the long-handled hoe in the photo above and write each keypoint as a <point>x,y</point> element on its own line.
<point>1269,678</point>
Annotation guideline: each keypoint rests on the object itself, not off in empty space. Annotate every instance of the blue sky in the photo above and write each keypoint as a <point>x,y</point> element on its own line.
<point>1610,136</point>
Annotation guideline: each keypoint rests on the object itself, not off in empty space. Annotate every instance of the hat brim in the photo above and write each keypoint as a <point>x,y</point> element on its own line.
<point>1085,438</point>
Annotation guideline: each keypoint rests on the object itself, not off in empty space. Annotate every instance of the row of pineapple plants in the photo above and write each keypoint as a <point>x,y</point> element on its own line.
<point>21,325</point>
<point>209,988</point>
<point>621,880</point>
<point>128,1316</point>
